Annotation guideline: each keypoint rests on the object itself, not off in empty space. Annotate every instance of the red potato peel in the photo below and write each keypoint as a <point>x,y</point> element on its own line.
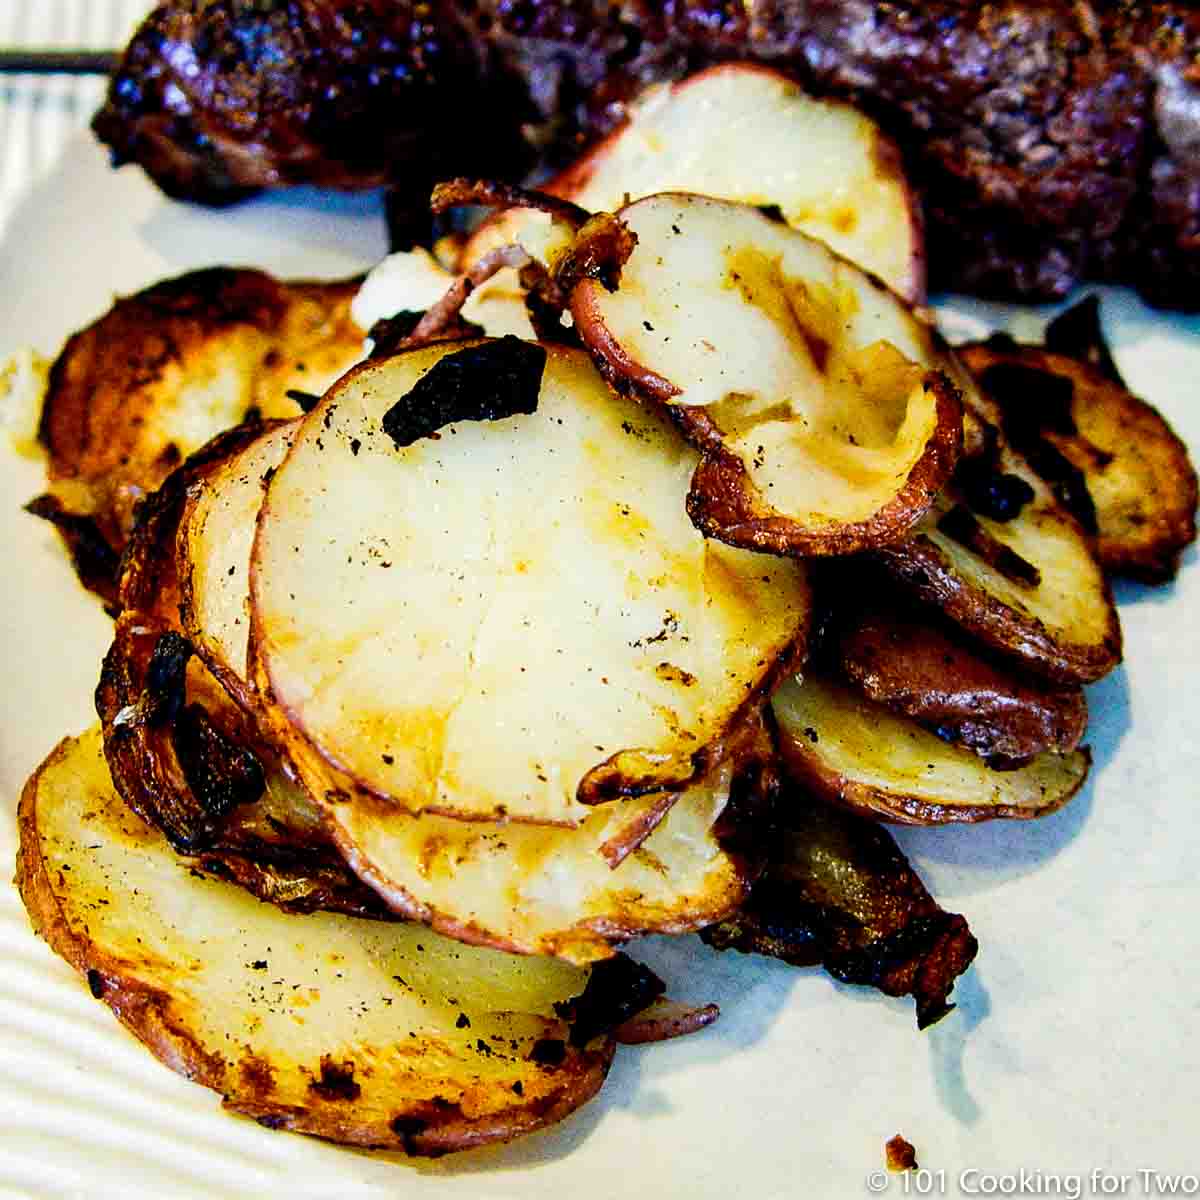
<point>849,750</point>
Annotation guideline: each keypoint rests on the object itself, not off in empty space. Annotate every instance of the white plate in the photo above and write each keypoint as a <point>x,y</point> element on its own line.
<point>1074,1048</point>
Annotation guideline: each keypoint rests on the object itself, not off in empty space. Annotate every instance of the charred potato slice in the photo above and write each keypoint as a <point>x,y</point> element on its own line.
<point>846,748</point>
<point>837,892</point>
<point>1001,556</point>
<point>818,400</point>
<point>520,622</point>
<point>192,765</point>
<point>824,167</point>
<point>181,755</point>
<point>1108,454</point>
<point>900,657</point>
<point>394,1037</point>
<point>165,370</point>
<point>149,577</point>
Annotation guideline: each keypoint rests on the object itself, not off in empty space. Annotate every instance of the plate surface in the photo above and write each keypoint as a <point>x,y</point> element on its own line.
<point>1074,1047</point>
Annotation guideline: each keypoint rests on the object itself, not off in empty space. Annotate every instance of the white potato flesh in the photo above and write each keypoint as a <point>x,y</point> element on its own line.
<point>542,890</point>
<point>364,1031</point>
<point>477,625</point>
<point>850,749</point>
<point>215,538</point>
<point>746,133</point>
<point>813,372</point>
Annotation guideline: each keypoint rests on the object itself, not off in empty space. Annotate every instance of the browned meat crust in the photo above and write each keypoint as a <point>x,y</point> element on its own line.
<point>1052,140</point>
<point>837,892</point>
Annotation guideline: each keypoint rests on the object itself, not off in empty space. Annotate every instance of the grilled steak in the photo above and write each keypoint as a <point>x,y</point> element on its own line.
<point>1052,140</point>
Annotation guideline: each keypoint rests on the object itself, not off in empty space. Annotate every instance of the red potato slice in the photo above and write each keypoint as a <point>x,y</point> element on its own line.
<point>165,370</point>
<point>520,621</point>
<point>901,656</point>
<point>365,1032</point>
<point>747,133</point>
<point>535,889</point>
<point>1024,580</point>
<point>1094,442</point>
<point>820,402</point>
<point>215,536</point>
<point>185,759</point>
<point>850,750</point>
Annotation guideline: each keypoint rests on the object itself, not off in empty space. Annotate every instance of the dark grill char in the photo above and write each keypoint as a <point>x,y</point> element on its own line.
<point>1051,141</point>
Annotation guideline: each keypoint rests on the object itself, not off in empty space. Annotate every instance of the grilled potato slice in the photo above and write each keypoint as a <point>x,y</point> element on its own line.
<point>536,889</point>
<point>520,621</point>
<point>1002,557</point>
<point>181,754</point>
<point>149,574</point>
<point>826,168</point>
<point>214,539</point>
<point>826,422</point>
<point>375,1034</point>
<point>900,656</point>
<point>165,370</point>
<point>849,749</point>
<point>1108,455</point>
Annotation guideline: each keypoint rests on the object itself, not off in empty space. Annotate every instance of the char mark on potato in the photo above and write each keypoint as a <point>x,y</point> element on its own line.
<point>488,382</point>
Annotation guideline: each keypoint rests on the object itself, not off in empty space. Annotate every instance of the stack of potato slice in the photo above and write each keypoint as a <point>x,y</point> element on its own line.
<point>508,651</point>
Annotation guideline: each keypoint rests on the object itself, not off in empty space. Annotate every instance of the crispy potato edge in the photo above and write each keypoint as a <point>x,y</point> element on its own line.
<point>147,1014</point>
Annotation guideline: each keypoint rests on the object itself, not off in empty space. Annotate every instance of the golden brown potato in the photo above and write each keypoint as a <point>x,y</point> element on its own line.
<point>850,750</point>
<point>537,889</point>
<point>650,864</point>
<point>365,1032</point>
<point>213,538</point>
<point>163,371</point>
<point>1108,455</point>
<point>181,755</point>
